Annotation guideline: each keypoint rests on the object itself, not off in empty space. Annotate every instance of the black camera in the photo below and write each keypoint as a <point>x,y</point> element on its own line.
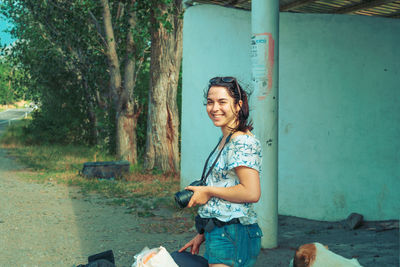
<point>183,197</point>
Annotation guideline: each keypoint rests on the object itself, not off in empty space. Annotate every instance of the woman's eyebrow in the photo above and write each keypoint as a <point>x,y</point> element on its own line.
<point>219,99</point>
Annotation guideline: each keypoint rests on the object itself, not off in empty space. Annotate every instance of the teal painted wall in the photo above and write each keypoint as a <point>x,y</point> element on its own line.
<point>210,48</point>
<point>339,107</point>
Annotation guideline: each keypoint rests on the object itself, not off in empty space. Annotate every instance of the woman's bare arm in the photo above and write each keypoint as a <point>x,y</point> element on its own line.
<point>247,191</point>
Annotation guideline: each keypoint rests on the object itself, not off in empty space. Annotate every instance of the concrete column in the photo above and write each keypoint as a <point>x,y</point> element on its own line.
<point>264,53</point>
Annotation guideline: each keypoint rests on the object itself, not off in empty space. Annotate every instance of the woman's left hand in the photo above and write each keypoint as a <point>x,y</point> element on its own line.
<point>200,195</point>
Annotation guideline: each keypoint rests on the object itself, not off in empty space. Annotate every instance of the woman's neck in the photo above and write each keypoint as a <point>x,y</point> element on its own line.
<point>226,131</point>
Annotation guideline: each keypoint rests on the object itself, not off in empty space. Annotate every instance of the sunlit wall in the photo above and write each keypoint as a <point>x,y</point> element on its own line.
<point>339,106</point>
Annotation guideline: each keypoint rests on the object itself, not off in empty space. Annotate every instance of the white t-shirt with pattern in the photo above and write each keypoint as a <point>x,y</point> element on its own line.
<point>241,150</point>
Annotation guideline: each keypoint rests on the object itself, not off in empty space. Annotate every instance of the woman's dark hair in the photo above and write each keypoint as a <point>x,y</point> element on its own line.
<point>237,93</point>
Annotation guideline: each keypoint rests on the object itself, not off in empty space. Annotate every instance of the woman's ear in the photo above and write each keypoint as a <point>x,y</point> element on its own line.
<point>239,105</point>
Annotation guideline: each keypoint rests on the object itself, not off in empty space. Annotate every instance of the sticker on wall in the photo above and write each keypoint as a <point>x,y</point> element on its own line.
<point>262,59</point>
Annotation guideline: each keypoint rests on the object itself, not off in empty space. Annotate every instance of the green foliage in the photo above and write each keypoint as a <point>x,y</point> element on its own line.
<point>60,62</point>
<point>60,52</point>
<point>49,69</point>
<point>10,92</point>
<point>163,11</point>
<point>6,93</point>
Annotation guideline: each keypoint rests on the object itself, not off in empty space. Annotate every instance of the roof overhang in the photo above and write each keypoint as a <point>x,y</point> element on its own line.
<point>377,8</point>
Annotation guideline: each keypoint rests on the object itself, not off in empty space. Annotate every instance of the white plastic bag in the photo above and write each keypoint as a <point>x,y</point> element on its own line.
<point>156,257</point>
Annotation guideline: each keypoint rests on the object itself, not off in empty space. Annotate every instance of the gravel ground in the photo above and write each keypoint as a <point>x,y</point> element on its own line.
<point>54,225</point>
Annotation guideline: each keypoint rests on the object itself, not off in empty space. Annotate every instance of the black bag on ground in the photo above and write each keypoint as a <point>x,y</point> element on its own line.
<point>187,259</point>
<point>102,259</point>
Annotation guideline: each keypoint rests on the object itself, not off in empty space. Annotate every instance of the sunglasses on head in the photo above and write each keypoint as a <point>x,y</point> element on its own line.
<point>227,79</point>
<point>217,80</point>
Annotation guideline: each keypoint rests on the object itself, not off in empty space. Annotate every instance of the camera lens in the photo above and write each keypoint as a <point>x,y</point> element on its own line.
<point>183,197</point>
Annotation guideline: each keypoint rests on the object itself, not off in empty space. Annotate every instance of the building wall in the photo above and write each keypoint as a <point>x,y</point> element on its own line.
<point>339,112</point>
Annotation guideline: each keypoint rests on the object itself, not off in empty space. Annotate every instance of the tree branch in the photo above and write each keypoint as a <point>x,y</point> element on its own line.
<point>120,11</point>
<point>129,77</point>
<point>98,27</point>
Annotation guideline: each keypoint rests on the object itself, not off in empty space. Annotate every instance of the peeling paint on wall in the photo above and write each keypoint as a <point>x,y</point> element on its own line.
<point>262,56</point>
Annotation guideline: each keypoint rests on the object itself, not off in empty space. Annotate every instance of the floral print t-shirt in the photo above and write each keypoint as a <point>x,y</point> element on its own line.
<point>241,150</point>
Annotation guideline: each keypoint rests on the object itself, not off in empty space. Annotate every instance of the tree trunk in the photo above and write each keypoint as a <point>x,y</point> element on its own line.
<point>162,151</point>
<point>94,134</point>
<point>126,134</point>
<point>128,111</point>
<point>124,103</point>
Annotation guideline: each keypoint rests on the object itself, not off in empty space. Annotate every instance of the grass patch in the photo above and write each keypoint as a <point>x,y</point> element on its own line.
<point>144,194</point>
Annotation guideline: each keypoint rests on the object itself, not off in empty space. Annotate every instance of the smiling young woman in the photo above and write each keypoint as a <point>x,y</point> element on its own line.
<point>231,232</point>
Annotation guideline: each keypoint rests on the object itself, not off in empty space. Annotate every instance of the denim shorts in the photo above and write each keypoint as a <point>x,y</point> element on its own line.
<point>233,245</point>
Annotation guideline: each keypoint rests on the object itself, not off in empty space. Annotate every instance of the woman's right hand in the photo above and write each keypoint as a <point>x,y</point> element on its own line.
<point>200,196</point>
<point>194,244</point>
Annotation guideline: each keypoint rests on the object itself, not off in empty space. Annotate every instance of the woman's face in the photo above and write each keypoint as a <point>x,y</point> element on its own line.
<point>221,107</point>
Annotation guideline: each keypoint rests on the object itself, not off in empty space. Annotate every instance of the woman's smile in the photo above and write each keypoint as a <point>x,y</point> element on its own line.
<point>217,116</point>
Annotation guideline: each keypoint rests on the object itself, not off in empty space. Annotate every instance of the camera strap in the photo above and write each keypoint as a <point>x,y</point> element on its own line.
<point>203,178</point>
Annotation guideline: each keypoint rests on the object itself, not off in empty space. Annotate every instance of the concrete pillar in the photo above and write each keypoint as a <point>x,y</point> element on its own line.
<point>264,53</point>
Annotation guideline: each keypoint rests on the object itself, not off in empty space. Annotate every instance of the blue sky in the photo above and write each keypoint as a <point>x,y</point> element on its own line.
<point>5,38</point>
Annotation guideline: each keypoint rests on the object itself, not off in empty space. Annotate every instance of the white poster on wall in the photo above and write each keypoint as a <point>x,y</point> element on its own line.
<point>262,49</point>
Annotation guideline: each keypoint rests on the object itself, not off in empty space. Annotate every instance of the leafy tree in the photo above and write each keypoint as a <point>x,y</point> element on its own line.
<point>82,58</point>
<point>89,64</point>
<point>50,54</point>
<point>122,81</point>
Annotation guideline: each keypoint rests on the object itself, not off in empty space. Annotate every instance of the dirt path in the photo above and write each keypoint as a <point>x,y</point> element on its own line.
<point>54,225</point>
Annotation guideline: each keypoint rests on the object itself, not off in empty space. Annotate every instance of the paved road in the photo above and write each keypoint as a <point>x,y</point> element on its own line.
<point>13,114</point>
<point>10,115</point>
